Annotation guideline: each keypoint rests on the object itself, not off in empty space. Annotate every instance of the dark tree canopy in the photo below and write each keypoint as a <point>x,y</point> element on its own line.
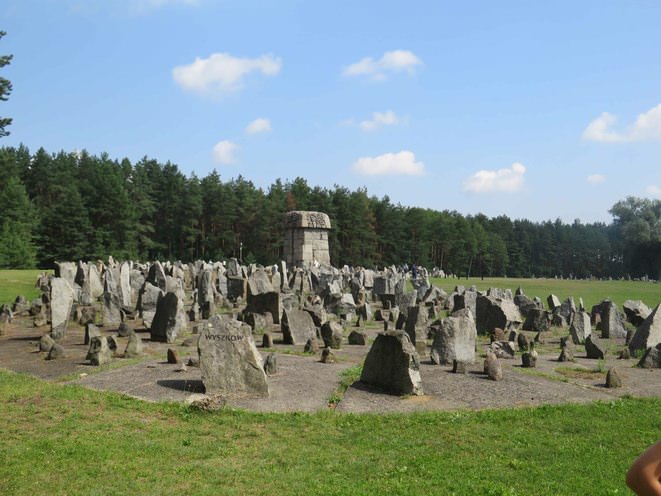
<point>69,206</point>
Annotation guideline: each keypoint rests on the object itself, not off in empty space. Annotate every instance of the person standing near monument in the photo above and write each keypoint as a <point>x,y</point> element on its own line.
<point>644,476</point>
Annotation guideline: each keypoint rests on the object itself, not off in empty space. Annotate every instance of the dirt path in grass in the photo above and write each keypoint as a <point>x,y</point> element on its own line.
<point>303,383</point>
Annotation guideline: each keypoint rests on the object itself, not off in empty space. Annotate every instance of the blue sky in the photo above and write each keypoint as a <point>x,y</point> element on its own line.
<point>537,110</point>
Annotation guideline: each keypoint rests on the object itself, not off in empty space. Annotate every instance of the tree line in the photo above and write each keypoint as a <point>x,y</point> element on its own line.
<point>70,206</point>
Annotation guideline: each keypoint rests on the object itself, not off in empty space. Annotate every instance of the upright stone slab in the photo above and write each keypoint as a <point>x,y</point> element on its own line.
<point>416,323</point>
<point>229,361</point>
<point>112,311</point>
<point>495,313</point>
<point>297,326</point>
<point>455,339</point>
<point>648,334</point>
<point>611,323</point>
<point>262,296</point>
<point>66,271</point>
<point>580,327</point>
<point>147,300</point>
<point>61,301</point>
<point>393,364</point>
<point>124,286</point>
<point>169,319</point>
<point>636,311</point>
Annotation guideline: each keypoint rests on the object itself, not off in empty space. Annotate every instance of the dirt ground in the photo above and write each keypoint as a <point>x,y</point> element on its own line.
<point>303,383</point>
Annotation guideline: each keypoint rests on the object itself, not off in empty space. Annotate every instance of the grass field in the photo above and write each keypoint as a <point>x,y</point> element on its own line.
<point>18,282</point>
<point>592,292</point>
<point>63,439</point>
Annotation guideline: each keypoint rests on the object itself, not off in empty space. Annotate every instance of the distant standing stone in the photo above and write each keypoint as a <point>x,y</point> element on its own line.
<point>99,352</point>
<point>61,301</point>
<point>493,367</point>
<point>134,347</point>
<point>327,356</point>
<point>311,346</point>
<point>271,364</point>
<point>358,338</point>
<point>173,357</point>
<point>267,340</point>
<point>613,379</point>
<point>56,351</point>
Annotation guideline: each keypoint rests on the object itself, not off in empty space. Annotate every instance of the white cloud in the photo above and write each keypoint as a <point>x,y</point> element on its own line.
<point>402,163</point>
<point>647,127</point>
<point>596,178</point>
<point>501,180</point>
<point>379,119</point>
<point>395,61</point>
<point>653,190</point>
<point>223,152</point>
<point>259,125</point>
<point>222,73</point>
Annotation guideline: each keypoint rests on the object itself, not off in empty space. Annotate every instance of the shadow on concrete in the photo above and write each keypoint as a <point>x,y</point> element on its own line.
<point>191,386</point>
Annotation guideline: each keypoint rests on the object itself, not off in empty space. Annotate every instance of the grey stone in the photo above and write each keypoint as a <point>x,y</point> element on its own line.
<point>358,338</point>
<point>46,343</point>
<point>493,368</point>
<point>331,333</point>
<point>297,327</point>
<point>124,330</point>
<point>134,347</point>
<point>91,331</point>
<point>636,311</point>
<point>327,356</point>
<point>454,339</point>
<point>147,301</point>
<point>580,327</point>
<point>594,348</point>
<point>611,322</point>
<point>652,358</point>
<point>229,361</point>
<point>648,333</point>
<point>459,367</point>
<point>504,349</point>
<point>537,320</point>
<point>613,379</point>
<point>169,320</point>
<point>492,313</point>
<point>271,364</point>
<point>311,346</point>
<point>267,340</point>
<point>393,364</point>
<point>553,302</point>
<point>99,352</point>
<point>61,302</point>
<point>416,322</point>
<point>56,351</point>
<point>172,356</point>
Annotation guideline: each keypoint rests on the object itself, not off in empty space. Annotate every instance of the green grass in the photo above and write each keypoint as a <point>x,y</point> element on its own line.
<point>18,282</point>
<point>592,292</point>
<point>64,439</point>
<point>347,378</point>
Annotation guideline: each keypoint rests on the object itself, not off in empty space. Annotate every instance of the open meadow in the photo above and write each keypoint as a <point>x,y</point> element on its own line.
<point>62,438</point>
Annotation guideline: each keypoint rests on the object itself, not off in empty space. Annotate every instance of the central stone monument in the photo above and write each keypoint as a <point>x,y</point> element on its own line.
<point>306,238</point>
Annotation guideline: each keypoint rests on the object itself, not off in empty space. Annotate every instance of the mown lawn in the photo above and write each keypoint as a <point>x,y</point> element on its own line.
<point>63,439</point>
<point>18,282</point>
<point>592,292</point>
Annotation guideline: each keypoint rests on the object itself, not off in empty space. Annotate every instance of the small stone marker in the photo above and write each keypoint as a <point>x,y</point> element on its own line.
<point>493,367</point>
<point>134,346</point>
<point>267,340</point>
<point>459,367</point>
<point>229,361</point>
<point>271,364</point>
<point>613,379</point>
<point>56,351</point>
<point>331,333</point>
<point>594,348</point>
<point>358,338</point>
<point>311,346</point>
<point>173,357</point>
<point>99,352</point>
<point>327,356</point>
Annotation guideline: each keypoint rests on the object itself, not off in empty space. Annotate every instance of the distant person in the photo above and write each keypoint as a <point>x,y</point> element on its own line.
<point>414,272</point>
<point>644,476</point>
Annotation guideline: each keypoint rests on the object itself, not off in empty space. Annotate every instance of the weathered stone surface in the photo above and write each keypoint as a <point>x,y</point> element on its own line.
<point>528,360</point>
<point>416,322</point>
<point>173,356</point>
<point>492,313</point>
<point>124,286</point>
<point>46,343</point>
<point>537,320</point>
<point>112,309</point>
<point>648,333</point>
<point>205,293</point>
<point>327,356</point>
<point>594,348</point>
<point>99,352</point>
<point>271,364</point>
<point>311,346</point>
<point>504,349</point>
<point>56,351</point>
<point>124,330</point>
<point>553,302</point>
<point>147,300</point>
<point>267,340</point>
<point>61,302</point>
<point>169,320</point>
<point>306,238</point>
<point>611,322</point>
<point>91,331</point>
<point>459,367</point>
<point>134,347</point>
<point>66,271</point>
<point>358,338</point>
<point>636,311</point>
<point>493,368</point>
<point>297,327</point>
<point>331,333</point>
<point>580,327</point>
<point>454,339</point>
<point>652,358</point>
<point>229,361</point>
<point>393,364</point>
<point>613,379</point>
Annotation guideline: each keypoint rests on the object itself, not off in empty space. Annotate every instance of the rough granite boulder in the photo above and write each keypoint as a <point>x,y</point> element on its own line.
<point>169,320</point>
<point>455,339</point>
<point>297,326</point>
<point>635,311</point>
<point>61,302</point>
<point>648,333</point>
<point>229,361</point>
<point>393,364</point>
<point>495,312</point>
<point>580,327</point>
